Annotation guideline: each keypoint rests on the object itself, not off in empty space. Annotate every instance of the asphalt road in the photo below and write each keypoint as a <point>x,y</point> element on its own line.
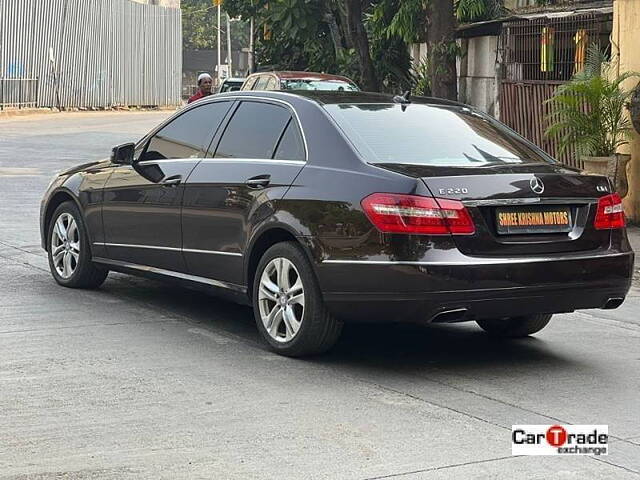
<point>143,380</point>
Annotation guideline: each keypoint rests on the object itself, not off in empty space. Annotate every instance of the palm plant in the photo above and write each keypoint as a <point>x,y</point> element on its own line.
<point>588,111</point>
<point>478,10</point>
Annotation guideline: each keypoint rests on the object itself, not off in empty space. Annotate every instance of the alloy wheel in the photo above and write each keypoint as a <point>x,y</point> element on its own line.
<point>65,245</point>
<point>281,299</point>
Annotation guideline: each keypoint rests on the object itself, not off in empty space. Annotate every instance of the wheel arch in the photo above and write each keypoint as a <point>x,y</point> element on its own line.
<point>54,202</point>
<point>264,240</point>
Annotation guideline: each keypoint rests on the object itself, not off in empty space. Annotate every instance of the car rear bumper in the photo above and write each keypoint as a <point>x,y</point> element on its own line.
<point>479,288</point>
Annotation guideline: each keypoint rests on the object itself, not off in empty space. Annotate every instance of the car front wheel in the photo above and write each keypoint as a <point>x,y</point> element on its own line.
<point>68,250</point>
<point>514,327</point>
<point>288,305</point>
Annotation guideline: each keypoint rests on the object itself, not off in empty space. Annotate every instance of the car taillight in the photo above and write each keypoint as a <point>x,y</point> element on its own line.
<point>395,213</point>
<point>609,214</point>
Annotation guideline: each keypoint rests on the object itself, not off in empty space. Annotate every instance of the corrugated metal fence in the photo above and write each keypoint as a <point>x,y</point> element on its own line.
<point>105,52</point>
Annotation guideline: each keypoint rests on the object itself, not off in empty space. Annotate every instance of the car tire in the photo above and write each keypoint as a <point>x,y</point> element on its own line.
<point>69,251</point>
<point>514,327</point>
<point>301,330</point>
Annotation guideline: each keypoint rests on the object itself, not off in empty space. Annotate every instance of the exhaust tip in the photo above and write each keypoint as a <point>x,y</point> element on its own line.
<point>612,303</point>
<point>450,316</point>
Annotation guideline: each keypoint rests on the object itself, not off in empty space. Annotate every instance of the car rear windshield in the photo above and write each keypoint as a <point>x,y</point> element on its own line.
<point>431,135</point>
<point>331,85</point>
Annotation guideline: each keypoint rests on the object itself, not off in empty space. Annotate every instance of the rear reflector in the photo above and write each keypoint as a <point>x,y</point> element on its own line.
<point>609,214</point>
<point>395,213</point>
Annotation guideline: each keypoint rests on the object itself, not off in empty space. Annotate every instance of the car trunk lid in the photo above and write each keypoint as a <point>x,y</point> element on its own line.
<point>520,209</point>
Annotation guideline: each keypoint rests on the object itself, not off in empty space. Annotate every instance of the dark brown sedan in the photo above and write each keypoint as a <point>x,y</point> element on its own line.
<point>319,208</point>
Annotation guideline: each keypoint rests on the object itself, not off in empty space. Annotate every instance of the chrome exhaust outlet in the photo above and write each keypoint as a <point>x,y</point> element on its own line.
<point>612,303</point>
<point>450,316</point>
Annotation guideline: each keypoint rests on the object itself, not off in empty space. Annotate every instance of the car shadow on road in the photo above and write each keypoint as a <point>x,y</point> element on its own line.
<point>462,346</point>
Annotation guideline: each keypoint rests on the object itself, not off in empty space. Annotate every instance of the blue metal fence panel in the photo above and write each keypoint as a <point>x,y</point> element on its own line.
<point>105,52</point>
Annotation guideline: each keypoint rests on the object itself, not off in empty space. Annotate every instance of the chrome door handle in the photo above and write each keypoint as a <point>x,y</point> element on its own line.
<point>260,181</point>
<point>172,181</point>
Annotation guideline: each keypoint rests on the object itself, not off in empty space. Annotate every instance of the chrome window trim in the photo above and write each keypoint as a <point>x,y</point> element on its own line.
<point>167,160</point>
<point>483,261</point>
<point>171,273</point>
<point>252,160</point>
<point>172,249</point>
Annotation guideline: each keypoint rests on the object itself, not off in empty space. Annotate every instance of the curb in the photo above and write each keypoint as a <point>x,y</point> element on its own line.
<point>39,111</point>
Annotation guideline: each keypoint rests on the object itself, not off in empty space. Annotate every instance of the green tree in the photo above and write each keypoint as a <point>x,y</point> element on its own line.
<point>199,21</point>
<point>432,21</point>
<point>478,10</point>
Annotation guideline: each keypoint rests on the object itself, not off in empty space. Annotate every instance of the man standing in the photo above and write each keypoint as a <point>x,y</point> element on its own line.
<point>204,87</point>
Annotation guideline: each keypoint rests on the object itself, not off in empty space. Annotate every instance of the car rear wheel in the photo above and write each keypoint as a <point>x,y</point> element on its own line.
<point>513,327</point>
<point>68,250</point>
<point>288,305</point>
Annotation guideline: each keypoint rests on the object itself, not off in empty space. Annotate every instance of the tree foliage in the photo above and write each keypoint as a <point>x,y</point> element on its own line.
<point>478,10</point>
<point>323,35</point>
<point>199,21</point>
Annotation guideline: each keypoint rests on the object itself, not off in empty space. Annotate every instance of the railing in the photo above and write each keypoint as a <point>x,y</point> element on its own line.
<point>18,93</point>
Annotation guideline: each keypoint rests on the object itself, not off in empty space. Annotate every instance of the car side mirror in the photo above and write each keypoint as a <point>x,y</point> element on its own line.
<point>123,154</point>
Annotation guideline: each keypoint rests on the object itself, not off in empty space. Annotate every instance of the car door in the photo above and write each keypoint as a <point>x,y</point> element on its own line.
<point>258,156</point>
<point>142,202</point>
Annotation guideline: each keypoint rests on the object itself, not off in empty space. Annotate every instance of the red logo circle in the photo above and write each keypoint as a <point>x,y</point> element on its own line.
<point>556,436</point>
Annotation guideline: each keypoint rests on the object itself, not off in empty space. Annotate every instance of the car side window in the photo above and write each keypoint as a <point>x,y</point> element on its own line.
<point>253,131</point>
<point>187,136</point>
<point>250,83</point>
<point>291,145</point>
<point>261,83</point>
<point>271,84</point>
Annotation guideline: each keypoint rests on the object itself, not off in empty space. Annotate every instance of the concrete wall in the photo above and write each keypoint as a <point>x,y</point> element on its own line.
<point>477,84</point>
<point>626,36</point>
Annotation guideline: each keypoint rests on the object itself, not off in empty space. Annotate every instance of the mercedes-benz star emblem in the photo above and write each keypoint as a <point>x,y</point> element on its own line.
<point>536,185</point>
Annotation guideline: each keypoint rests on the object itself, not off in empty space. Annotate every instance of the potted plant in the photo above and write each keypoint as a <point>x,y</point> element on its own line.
<point>588,113</point>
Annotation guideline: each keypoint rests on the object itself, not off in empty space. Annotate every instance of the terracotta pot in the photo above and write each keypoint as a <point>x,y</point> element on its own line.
<point>614,167</point>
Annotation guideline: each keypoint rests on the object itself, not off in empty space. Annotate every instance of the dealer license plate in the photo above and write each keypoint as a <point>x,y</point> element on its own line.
<point>539,219</point>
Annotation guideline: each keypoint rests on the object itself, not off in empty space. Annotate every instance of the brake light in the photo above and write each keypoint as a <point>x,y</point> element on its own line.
<point>610,213</point>
<point>395,213</point>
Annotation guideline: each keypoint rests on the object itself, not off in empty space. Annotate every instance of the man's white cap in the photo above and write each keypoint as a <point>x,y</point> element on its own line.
<point>202,76</point>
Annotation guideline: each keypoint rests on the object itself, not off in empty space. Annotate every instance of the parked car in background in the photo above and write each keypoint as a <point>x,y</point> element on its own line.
<point>323,207</point>
<point>231,84</point>
<point>299,81</point>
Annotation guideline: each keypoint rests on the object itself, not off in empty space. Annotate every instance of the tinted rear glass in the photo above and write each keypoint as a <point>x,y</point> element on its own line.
<point>291,146</point>
<point>430,135</point>
<point>253,131</point>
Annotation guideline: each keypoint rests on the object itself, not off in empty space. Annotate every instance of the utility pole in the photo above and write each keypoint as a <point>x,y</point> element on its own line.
<point>251,57</point>
<point>229,62</point>
<point>218,2</point>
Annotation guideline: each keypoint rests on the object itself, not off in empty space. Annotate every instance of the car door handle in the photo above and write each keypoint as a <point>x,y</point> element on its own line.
<point>260,181</point>
<point>172,181</point>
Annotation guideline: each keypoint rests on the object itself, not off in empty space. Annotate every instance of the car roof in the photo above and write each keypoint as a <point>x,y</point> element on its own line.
<point>234,79</point>
<point>334,97</point>
<point>300,75</point>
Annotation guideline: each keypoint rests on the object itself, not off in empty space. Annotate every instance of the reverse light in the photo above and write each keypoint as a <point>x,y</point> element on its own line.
<point>412,214</point>
<point>609,214</point>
